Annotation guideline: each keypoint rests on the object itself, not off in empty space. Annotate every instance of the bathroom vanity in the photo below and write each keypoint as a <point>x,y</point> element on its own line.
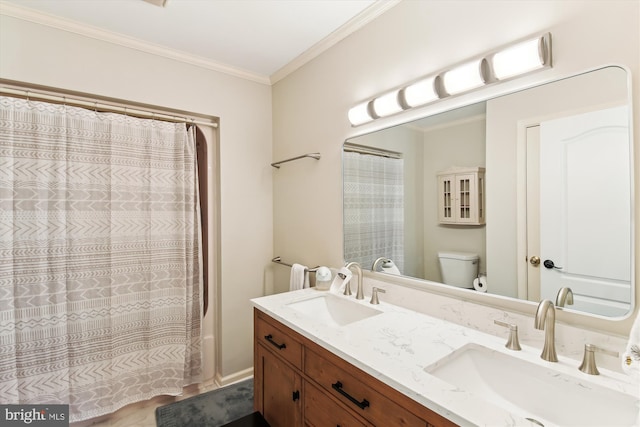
<point>298,382</point>
<point>323,359</point>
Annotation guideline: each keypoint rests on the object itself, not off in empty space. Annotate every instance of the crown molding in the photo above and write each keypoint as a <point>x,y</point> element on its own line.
<point>31,15</point>
<point>357,22</point>
<point>26,14</point>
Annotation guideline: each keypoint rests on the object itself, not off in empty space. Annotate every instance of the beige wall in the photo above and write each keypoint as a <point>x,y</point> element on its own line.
<point>411,40</point>
<point>43,55</point>
<point>461,143</point>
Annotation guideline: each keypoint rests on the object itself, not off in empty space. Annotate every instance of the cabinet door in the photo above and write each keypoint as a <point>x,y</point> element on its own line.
<point>466,199</point>
<point>279,397</point>
<point>446,197</point>
<point>321,411</point>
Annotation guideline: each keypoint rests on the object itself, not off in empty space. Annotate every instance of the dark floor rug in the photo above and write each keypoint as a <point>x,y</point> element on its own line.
<point>211,409</point>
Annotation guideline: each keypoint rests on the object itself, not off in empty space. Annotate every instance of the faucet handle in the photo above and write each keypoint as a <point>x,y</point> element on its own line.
<point>346,280</point>
<point>512,342</point>
<point>588,365</point>
<point>347,289</point>
<point>374,295</point>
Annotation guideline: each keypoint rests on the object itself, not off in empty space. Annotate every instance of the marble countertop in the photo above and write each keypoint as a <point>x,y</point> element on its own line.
<point>396,345</point>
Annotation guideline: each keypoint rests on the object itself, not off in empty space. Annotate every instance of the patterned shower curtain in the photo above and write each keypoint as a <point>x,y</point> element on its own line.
<point>373,209</point>
<point>100,270</point>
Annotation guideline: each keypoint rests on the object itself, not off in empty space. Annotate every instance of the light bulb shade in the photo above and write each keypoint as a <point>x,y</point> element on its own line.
<point>463,78</point>
<point>420,93</point>
<point>497,65</point>
<point>360,114</point>
<point>520,58</point>
<point>387,104</point>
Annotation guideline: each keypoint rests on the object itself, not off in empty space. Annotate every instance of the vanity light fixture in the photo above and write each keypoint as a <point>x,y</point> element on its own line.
<point>521,58</point>
<point>463,78</point>
<point>387,104</point>
<point>420,93</point>
<point>360,114</point>
<point>496,66</point>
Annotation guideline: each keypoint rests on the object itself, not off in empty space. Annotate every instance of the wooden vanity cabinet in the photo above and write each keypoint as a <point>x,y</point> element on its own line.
<point>277,379</point>
<point>299,383</point>
<point>280,403</point>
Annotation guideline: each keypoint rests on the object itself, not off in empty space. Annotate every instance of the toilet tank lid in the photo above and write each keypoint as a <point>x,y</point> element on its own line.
<point>464,256</point>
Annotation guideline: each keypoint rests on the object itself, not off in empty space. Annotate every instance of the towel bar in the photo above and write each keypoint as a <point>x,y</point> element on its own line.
<point>278,260</point>
<point>311,155</point>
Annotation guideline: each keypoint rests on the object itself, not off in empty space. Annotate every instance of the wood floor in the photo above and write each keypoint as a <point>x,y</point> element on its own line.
<point>141,414</point>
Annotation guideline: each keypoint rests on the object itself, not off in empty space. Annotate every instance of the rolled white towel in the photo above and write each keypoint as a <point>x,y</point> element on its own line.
<point>299,278</point>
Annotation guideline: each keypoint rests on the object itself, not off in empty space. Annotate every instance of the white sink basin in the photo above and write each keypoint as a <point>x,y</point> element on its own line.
<point>533,391</point>
<point>332,310</point>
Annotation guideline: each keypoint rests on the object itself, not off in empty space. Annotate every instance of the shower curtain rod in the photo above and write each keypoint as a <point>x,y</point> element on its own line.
<point>100,105</point>
<point>363,149</point>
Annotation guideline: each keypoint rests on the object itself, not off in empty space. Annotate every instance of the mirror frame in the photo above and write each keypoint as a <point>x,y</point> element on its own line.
<point>615,325</point>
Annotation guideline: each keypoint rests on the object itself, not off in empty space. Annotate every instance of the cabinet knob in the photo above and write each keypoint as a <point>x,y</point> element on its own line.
<point>295,395</point>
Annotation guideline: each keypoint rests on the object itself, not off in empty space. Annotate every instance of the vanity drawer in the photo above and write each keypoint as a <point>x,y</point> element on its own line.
<point>360,396</point>
<point>279,340</point>
<point>321,411</point>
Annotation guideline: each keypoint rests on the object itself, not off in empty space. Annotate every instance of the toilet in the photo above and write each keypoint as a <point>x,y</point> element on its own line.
<point>458,268</point>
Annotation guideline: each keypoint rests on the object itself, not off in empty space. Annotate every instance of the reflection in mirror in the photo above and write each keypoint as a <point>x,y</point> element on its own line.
<point>521,196</point>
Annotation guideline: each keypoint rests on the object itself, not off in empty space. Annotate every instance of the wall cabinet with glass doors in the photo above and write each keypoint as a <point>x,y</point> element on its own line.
<point>461,196</point>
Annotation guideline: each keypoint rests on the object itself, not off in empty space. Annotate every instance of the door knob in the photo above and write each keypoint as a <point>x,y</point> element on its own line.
<point>535,261</point>
<point>550,264</point>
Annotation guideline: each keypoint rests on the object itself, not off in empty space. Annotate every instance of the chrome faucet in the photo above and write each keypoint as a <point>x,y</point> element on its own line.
<point>359,292</point>
<point>377,262</point>
<point>565,296</point>
<point>546,319</point>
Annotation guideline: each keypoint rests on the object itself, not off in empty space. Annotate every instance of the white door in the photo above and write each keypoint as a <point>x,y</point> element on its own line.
<point>585,211</point>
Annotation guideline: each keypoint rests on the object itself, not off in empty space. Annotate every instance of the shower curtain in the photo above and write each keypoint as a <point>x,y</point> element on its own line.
<point>100,274</point>
<point>373,209</point>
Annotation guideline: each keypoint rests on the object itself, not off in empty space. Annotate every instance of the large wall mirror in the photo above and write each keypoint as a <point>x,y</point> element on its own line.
<point>519,196</point>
